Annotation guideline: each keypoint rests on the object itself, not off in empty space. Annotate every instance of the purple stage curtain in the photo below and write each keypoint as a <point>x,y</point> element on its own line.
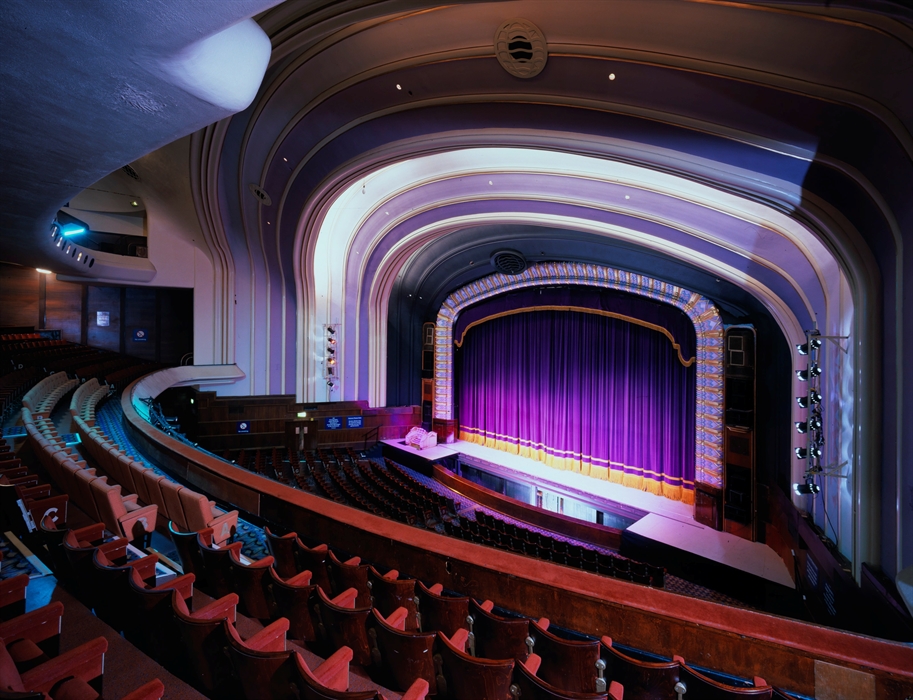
<point>582,392</point>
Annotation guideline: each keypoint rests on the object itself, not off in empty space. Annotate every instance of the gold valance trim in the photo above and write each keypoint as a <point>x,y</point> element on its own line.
<point>584,310</point>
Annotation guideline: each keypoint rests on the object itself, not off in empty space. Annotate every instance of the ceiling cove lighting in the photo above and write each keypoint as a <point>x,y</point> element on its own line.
<point>43,271</point>
<point>70,230</point>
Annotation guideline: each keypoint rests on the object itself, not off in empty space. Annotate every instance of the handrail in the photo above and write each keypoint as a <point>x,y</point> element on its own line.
<point>374,431</point>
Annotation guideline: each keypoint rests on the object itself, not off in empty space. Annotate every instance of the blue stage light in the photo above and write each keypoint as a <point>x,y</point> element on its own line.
<point>70,230</point>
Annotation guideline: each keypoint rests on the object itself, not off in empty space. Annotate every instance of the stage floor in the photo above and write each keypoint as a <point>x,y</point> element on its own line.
<point>667,521</point>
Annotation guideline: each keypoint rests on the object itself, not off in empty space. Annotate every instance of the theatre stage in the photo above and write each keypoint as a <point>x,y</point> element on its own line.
<point>668,523</point>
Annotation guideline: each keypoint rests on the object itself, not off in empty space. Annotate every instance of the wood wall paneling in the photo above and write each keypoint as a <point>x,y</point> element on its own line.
<point>140,337</point>
<point>19,292</point>
<point>64,308</point>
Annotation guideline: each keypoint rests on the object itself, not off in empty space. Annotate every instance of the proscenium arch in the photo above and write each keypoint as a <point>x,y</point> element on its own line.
<point>708,328</point>
<point>782,208</point>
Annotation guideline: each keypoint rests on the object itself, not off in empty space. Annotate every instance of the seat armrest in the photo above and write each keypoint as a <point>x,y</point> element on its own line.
<point>417,691</point>
<point>86,661</point>
<point>391,575</point>
<point>145,515</point>
<point>354,561</point>
<point>346,599</point>
<point>334,672</point>
<point>300,579</point>
<point>542,623</point>
<point>90,533</point>
<point>115,549</point>
<point>487,606</point>
<point>437,589</point>
<point>397,619</point>
<point>223,526</point>
<point>223,607</point>
<point>130,498</point>
<point>145,566</point>
<point>616,691</point>
<point>182,584</point>
<point>532,663</point>
<point>759,682</point>
<point>271,637</point>
<point>36,625</point>
<point>460,638</point>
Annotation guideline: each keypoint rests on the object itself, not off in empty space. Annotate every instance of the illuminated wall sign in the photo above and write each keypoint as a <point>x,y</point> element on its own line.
<point>355,422</point>
<point>332,423</point>
<point>243,426</point>
<point>140,335</point>
<point>103,318</point>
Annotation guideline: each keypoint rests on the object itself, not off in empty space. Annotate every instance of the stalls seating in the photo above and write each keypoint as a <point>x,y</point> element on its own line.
<point>440,613</point>
<point>400,654</point>
<point>529,686</point>
<point>292,597</point>
<point>284,550</point>
<point>261,663</point>
<point>216,564</point>
<point>568,665</point>
<point>250,581</point>
<point>76,668</point>
<point>463,677</point>
<point>698,685</point>
<point>495,637</point>
<point>350,574</point>
<point>389,592</point>
<point>201,646</point>
<point>341,624</point>
<point>642,680</point>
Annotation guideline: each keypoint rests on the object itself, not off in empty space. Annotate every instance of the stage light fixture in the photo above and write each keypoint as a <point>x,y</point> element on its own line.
<point>815,397</point>
<point>813,343</point>
<point>331,330</point>
<point>331,341</point>
<point>814,370</point>
<point>814,421</point>
<point>809,488</point>
<point>802,374</point>
<point>801,453</point>
<point>801,427</point>
<point>816,451</point>
<point>802,401</point>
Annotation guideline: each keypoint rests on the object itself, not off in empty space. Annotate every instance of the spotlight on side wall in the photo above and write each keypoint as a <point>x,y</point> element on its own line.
<point>809,488</point>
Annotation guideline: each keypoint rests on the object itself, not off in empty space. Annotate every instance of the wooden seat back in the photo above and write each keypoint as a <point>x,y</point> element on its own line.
<point>201,644</point>
<point>315,560</point>
<point>250,582</point>
<point>349,574</point>
<point>642,680</point>
<point>264,675</point>
<point>701,686</point>
<point>217,573</point>
<point>188,549</point>
<point>388,592</point>
<point>342,627</point>
<point>283,549</point>
<point>530,687</point>
<point>441,613</point>
<point>292,599</point>
<point>498,637</point>
<point>568,665</point>
<point>460,676</point>
<point>401,654</point>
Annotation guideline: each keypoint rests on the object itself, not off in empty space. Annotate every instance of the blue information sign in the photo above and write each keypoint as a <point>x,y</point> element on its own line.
<point>243,426</point>
<point>355,422</point>
<point>332,423</point>
<point>140,335</point>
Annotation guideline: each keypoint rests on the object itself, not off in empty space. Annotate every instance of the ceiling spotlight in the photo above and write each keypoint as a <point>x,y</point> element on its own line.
<point>331,349</point>
<point>814,370</point>
<point>801,427</point>
<point>802,374</point>
<point>611,76</point>
<point>134,203</point>
<point>816,451</point>
<point>801,453</point>
<point>815,397</point>
<point>809,488</point>
<point>331,341</point>
<point>331,384</point>
<point>331,361</point>
<point>802,401</point>
<point>331,330</point>
<point>814,421</point>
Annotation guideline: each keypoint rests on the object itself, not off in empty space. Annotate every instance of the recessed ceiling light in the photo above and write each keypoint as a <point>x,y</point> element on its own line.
<point>611,76</point>
<point>627,196</point>
<point>43,271</point>
<point>387,213</point>
<point>399,87</point>
<point>285,159</point>
<point>134,203</point>
<point>489,182</point>
<point>267,223</point>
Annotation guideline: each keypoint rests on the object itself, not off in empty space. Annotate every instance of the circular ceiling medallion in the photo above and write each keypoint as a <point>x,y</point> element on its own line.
<point>509,262</point>
<point>521,48</point>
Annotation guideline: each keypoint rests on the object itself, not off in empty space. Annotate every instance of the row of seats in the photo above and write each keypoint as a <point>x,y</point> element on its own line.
<point>32,664</point>
<point>19,487</point>
<point>13,386</point>
<point>190,509</point>
<point>199,644</point>
<point>44,396</point>
<point>120,512</point>
<point>399,629</point>
<point>10,337</point>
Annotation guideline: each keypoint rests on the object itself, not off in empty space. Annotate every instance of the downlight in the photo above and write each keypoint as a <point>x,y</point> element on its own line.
<point>809,488</point>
